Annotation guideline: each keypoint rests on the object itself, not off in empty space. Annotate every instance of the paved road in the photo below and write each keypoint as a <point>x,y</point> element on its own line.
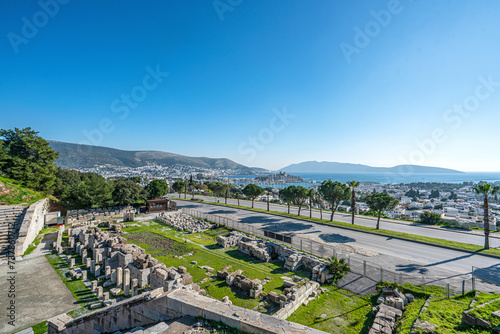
<point>474,237</point>
<point>392,254</point>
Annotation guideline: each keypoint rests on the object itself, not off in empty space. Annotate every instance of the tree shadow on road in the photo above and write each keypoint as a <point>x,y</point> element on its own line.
<point>336,238</point>
<point>423,269</point>
<point>276,224</point>
<point>218,212</point>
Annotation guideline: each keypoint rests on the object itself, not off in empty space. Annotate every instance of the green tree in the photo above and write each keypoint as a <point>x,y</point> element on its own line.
<point>300,196</point>
<point>217,188</point>
<point>413,194</point>
<point>136,179</point>
<point>338,268</point>
<point>237,194</point>
<point>434,194</point>
<point>252,191</point>
<point>381,202</point>
<point>287,195</point>
<point>334,193</point>
<point>91,192</point>
<point>66,180</point>
<point>157,188</point>
<point>353,185</point>
<point>3,155</point>
<point>178,186</point>
<point>28,158</point>
<point>452,196</point>
<point>127,192</point>
<point>431,219</point>
<point>192,185</point>
<point>311,195</point>
<point>486,189</point>
<point>227,191</point>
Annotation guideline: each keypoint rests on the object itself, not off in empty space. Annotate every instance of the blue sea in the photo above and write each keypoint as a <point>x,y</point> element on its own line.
<point>392,178</point>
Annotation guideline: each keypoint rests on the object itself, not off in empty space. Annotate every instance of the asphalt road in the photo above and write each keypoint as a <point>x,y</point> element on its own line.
<point>392,254</point>
<point>474,237</point>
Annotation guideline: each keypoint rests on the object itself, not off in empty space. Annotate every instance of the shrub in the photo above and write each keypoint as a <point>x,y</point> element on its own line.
<point>338,268</point>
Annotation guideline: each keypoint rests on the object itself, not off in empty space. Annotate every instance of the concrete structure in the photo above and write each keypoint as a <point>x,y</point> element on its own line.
<point>32,223</point>
<point>159,306</point>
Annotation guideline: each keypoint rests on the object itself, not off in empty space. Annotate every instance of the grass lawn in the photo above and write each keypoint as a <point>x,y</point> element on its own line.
<point>389,233</point>
<point>343,312</point>
<point>176,248</point>
<point>82,294</point>
<point>15,193</point>
<point>39,238</point>
<point>485,312</point>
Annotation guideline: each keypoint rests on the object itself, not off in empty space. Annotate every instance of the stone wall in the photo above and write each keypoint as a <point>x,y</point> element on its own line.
<point>97,213</point>
<point>33,222</point>
<point>301,294</point>
<point>155,306</point>
<point>293,259</point>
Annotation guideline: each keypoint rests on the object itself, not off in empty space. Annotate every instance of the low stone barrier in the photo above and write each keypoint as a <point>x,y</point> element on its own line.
<point>33,222</point>
<point>156,306</point>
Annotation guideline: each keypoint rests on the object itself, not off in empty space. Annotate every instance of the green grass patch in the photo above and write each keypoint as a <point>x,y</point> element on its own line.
<point>40,328</point>
<point>39,238</point>
<point>175,248</point>
<point>485,312</point>
<point>343,312</point>
<point>12,192</point>
<point>484,297</point>
<point>447,313</point>
<point>388,233</point>
<point>82,294</point>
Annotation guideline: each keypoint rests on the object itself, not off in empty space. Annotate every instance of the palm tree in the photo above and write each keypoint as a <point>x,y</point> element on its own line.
<point>486,189</point>
<point>353,184</point>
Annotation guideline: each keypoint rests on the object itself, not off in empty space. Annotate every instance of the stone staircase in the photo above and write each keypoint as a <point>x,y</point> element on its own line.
<point>11,217</point>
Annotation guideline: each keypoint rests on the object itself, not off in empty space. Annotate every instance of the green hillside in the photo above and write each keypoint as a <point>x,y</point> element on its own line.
<point>81,156</point>
<point>12,192</point>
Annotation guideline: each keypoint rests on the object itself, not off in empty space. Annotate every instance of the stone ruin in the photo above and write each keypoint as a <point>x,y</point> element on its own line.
<point>113,225</point>
<point>294,290</point>
<point>266,250</point>
<point>183,222</point>
<point>391,305</point>
<point>230,240</point>
<point>98,213</point>
<point>254,248</point>
<point>110,262</point>
<point>252,287</point>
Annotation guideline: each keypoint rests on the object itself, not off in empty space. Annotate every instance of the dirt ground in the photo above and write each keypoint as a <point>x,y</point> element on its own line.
<point>159,245</point>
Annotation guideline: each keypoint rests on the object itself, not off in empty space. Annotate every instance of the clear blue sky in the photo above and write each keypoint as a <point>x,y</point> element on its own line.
<point>365,81</point>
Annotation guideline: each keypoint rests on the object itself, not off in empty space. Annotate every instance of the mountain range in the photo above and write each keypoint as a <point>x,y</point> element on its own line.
<point>86,156</point>
<point>339,167</point>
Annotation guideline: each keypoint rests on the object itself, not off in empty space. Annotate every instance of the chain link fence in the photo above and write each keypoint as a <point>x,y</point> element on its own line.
<point>460,284</point>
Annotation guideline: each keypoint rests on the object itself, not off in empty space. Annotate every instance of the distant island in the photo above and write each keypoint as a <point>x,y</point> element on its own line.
<point>281,177</point>
<point>339,167</point>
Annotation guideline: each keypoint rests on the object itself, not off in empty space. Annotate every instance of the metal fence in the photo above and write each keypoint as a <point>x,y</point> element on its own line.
<point>479,279</point>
